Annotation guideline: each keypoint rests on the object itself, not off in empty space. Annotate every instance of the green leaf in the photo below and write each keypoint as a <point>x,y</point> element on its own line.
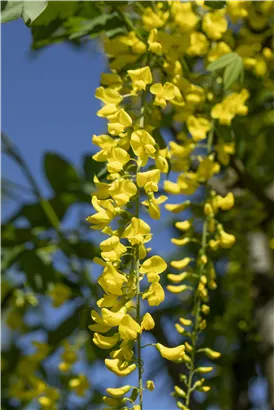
<point>28,10</point>
<point>157,135</point>
<point>223,61</point>
<point>232,72</point>
<point>39,273</point>
<point>13,236</point>
<point>10,256</point>
<point>91,167</point>
<point>215,5</point>
<point>84,249</point>
<point>36,214</point>
<point>61,175</point>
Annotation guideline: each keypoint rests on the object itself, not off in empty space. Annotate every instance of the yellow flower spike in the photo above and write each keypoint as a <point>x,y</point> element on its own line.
<point>180,242</point>
<point>150,385</point>
<point>112,249</point>
<point>181,264</point>
<point>183,226</point>
<point>140,77</point>
<point>143,145</point>
<point>117,158</point>
<point>155,294</point>
<point>137,232</point>
<point>177,289</point>
<point>198,127</point>
<point>121,190</point>
<point>118,122</point>
<point>152,267</point>
<point>129,328</point>
<point>79,385</point>
<point>111,280</point>
<point>147,322</point>
<point>214,24</point>
<point>198,44</point>
<point>177,278</point>
<point>171,353</point>
<point>163,93</point>
<point>149,180</point>
<point>105,342</point>
<point>113,318</point>
<point>153,205</point>
<point>118,392</point>
<point>108,95</point>
<point>116,366</point>
<point>177,208</point>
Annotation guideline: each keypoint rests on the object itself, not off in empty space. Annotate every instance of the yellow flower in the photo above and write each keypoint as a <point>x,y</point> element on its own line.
<point>212,354</point>
<point>183,226</point>
<point>163,93</point>
<point>111,280</point>
<point>99,325</point>
<point>122,190</point>
<point>59,294</point>
<point>224,150</point>
<point>224,203</point>
<point>177,208</point>
<point>118,392</point>
<point>198,44</point>
<point>68,357</point>
<point>79,385</point>
<point>154,44</point>
<point>218,50</point>
<point>143,145</point>
<point>153,205</point>
<point>111,79</point>
<point>171,353</point>
<point>152,267</point>
<point>214,24</point>
<point>226,240</point>
<point>107,301</point>
<point>181,264</point>
<point>117,158</point>
<point>105,342</point>
<point>232,105</point>
<point>188,183</point>
<point>184,16</point>
<point>118,122</point>
<point>140,77</point>
<point>129,328</point>
<point>237,10</point>
<point>137,232</point>
<point>119,367</point>
<point>155,294</point>
<point>207,168</point>
<point>112,249</point>
<point>149,180</point>
<point>177,289</point>
<point>113,318</point>
<point>180,242</point>
<point>147,322</point>
<point>108,95</point>
<point>105,213</point>
<point>198,127</point>
<point>150,385</point>
<point>151,19</point>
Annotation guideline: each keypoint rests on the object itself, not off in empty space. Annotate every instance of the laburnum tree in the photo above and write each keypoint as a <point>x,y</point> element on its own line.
<point>188,145</point>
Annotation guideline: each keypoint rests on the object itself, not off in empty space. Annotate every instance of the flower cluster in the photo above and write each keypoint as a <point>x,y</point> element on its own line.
<point>134,163</point>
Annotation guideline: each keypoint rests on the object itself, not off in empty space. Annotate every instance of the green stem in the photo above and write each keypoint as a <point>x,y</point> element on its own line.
<point>197,302</point>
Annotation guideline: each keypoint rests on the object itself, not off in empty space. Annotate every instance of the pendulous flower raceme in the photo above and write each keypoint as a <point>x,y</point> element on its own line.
<point>151,84</point>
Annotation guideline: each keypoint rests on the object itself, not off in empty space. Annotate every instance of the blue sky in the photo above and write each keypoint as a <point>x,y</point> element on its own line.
<point>48,104</point>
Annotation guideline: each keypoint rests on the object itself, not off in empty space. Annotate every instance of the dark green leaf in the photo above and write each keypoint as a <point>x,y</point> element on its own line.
<point>12,236</point>
<point>159,138</point>
<point>39,273</point>
<point>60,173</point>
<point>91,167</point>
<point>11,256</point>
<point>85,250</point>
<point>215,5</point>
